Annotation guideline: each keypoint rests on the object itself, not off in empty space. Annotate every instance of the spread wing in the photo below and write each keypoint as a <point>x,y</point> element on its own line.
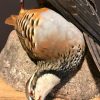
<point>83,14</point>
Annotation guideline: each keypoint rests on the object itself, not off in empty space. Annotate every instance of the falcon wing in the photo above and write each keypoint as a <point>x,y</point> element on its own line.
<point>83,14</point>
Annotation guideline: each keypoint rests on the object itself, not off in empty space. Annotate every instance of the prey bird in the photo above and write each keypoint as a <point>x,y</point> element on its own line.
<point>55,45</point>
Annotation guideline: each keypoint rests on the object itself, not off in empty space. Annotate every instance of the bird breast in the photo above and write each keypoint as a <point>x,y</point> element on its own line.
<point>47,34</point>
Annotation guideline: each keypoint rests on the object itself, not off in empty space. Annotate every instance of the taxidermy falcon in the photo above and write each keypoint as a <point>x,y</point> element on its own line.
<point>55,44</point>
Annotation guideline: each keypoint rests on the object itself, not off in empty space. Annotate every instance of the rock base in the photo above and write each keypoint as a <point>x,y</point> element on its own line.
<point>16,68</point>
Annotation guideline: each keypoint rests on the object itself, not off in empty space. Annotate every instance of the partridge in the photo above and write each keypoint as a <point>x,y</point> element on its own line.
<point>54,44</point>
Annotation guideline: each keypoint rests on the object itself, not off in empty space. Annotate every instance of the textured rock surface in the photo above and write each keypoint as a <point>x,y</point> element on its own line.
<point>16,68</point>
<point>15,65</point>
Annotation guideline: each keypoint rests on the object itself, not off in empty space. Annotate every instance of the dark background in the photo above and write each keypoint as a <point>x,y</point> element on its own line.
<point>9,7</point>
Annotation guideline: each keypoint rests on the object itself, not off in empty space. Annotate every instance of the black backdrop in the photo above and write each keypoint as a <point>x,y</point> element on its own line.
<point>8,7</point>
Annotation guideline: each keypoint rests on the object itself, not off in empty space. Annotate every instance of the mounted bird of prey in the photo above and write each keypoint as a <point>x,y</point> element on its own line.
<point>83,14</point>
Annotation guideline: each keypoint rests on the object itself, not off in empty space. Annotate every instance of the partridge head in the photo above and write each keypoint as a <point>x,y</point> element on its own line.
<point>56,45</point>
